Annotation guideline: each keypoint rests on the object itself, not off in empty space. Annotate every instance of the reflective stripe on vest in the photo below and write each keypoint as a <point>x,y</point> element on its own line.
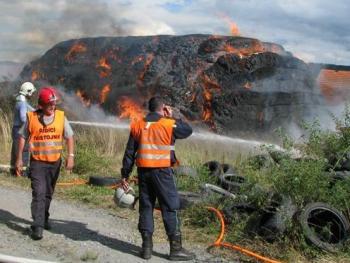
<point>157,147</point>
<point>46,142</point>
<point>43,144</point>
<point>154,139</point>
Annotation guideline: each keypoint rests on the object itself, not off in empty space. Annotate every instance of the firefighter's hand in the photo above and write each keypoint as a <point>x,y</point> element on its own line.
<point>168,111</point>
<point>19,167</point>
<point>125,184</point>
<point>69,163</point>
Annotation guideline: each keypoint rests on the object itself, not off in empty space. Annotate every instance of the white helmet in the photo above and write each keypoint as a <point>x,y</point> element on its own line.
<point>124,199</point>
<point>27,89</point>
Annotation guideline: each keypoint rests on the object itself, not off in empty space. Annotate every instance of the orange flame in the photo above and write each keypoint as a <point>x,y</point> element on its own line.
<point>104,66</point>
<point>234,29</point>
<point>233,26</point>
<point>104,93</point>
<point>137,60</point>
<point>35,75</point>
<point>128,108</point>
<point>247,85</point>
<point>103,63</point>
<point>75,49</point>
<point>207,112</point>
<point>86,102</point>
<point>334,85</point>
<point>256,47</point>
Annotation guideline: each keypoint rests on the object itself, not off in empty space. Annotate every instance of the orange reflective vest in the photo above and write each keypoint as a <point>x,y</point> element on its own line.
<point>46,142</point>
<point>154,140</point>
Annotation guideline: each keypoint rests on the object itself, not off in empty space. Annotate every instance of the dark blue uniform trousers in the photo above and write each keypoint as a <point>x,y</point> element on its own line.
<point>43,176</point>
<point>158,183</point>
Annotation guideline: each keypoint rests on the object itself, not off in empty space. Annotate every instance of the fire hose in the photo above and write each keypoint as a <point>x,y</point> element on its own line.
<point>219,243</point>
<point>79,181</point>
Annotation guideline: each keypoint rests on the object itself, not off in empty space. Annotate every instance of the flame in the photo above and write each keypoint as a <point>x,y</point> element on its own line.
<point>334,85</point>
<point>81,95</point>
<point>233,26</point>
<point>234,29</point>
<point>137,60</point>
<point>104,93</point>
<point>208,86</point>
<point>104,66</point>
<point>75,49</point>
<point>148,61</point>
<point>103,63</point>
<point>35,75</point>
<point>255,47</point>
<point>247,85</point>
<point>128,108</point>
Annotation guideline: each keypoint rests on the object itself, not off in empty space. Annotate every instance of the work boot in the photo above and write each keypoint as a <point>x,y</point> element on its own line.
<point>147,245</point>
<point>37,232</point>
<point>177,252</point>
<point>47,225</point>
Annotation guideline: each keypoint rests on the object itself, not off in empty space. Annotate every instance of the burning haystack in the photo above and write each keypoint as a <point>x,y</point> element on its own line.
<point>228,83</point>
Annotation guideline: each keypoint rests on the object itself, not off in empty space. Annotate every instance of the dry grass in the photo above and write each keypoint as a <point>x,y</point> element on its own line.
<point>5,136</point>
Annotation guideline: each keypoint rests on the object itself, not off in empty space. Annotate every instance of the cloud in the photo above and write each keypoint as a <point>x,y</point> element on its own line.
<point>315,30</point>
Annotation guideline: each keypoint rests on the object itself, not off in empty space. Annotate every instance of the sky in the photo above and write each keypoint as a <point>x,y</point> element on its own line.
<point>313,30</point>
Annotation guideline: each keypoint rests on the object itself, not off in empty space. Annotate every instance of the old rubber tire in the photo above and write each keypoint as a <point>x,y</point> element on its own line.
<point>214,168</point>
<point>274,224</point>
<point>103,181</point>
<point>188,199</point>
<point>232,182</point>
<point>227,168</point>
<point>210,189</point>
<point>231,210</point>
<point>324,226</point>
<point>185,170</point>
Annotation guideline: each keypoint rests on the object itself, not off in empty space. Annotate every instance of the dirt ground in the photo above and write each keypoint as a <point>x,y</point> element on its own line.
<point>79,233</point>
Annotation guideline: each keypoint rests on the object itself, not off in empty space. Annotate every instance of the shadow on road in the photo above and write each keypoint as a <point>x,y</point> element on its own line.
<point>12,222</point>
<point>73,230</point>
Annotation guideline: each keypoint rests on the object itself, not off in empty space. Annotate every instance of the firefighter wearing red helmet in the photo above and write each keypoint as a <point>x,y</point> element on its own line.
<point>46,129</point>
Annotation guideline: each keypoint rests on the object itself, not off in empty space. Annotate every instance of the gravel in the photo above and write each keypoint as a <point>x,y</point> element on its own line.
<point>79,234</point>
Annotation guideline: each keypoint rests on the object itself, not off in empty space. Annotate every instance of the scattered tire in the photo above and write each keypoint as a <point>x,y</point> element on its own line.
<point>214,168</point>
<point>233,211</point>
<point>341,175</point>
<point>324,226</point>
<point>185,170</point>
<point>274,224</point>
<point>345,164</point>
<point>188,199</point>
<point>227,168</point>
<point>103,181</point>
<point>210,189</point>
<point>232,182</point>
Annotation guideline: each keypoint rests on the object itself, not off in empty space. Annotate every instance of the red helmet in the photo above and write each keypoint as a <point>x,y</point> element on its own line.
<point>47,95</point>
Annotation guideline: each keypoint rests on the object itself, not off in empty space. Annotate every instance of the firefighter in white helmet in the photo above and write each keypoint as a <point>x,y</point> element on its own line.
<point>20,112</point>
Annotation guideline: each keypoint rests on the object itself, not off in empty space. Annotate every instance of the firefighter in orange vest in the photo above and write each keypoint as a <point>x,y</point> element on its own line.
<point>151,146</point>
<point>45,129</point>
